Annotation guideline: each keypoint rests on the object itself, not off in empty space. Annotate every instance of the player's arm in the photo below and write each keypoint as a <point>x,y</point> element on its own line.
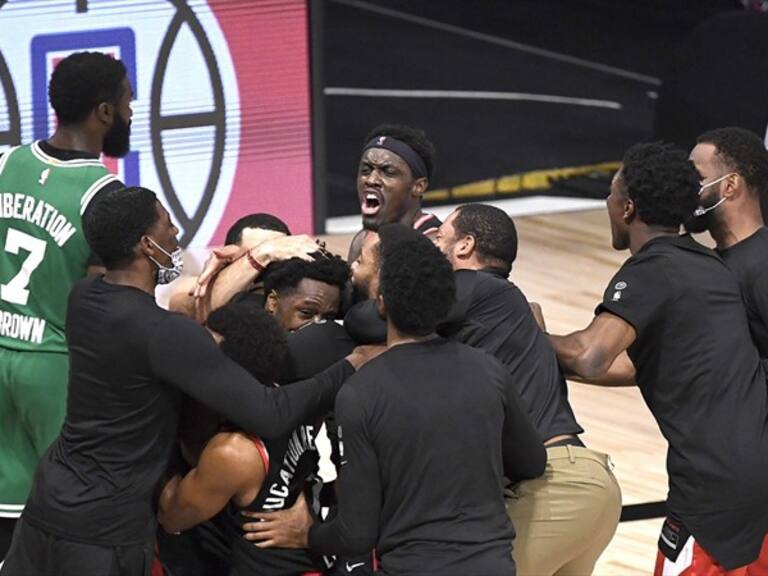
<point>590,353</point>
<point>183,354</point>
<point>621,373</point>
<point>181,300</point>
<point>355,528</point>
<point>228,467</point>
<point>237,274</point>
<point>466,282</point>
<point>758,295</point>
<point>523,452</point>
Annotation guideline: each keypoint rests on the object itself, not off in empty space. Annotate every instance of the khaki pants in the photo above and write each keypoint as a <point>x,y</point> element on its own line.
<point>565,518</point>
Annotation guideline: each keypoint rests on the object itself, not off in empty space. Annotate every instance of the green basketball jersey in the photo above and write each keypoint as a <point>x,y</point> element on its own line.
<point>43,251</point>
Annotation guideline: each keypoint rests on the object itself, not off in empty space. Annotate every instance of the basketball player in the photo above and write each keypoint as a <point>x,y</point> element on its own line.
<point>676,310</point>
<point>44,189</point>
<point>91,506</point>
<point>237,471</point>
<point>396,165</point>
<point>424,408</point>
<point>578,489</point>
<point>302,296</point>
<point>733,164</point>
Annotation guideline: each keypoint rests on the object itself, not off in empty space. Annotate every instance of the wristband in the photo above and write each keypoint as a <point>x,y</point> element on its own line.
<point>255,263</point>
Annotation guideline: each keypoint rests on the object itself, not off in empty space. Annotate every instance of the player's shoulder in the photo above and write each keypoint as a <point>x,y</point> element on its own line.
<point>232,447</point>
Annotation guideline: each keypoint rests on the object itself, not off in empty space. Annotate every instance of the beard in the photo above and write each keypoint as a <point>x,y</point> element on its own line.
<point>117,140</point>
<point>698,224</point>
<point>360,292</point>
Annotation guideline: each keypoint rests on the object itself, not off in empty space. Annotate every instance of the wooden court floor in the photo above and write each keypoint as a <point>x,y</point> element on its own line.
<point>564,263</point>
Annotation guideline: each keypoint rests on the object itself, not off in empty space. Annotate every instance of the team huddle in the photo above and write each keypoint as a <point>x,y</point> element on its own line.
<point>138,439</point>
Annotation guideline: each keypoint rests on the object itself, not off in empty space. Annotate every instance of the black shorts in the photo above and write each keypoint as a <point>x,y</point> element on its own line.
<point>35,551</point>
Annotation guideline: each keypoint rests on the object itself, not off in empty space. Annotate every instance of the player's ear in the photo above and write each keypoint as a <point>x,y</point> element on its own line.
<point>272,301</point>
<point>105,113</point>
<point>146,247</point>
<point>419,187</point>
<point>380,306</point>
<point>630,210</point>
<point>465,246</point>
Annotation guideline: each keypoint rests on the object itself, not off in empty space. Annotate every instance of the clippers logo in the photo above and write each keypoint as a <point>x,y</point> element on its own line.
<point>186,101</point>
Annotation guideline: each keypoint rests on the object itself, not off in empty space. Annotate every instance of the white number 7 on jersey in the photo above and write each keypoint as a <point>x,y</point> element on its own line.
<point>16,290</point>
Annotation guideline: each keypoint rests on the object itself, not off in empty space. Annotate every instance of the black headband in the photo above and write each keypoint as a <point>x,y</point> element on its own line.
<point>403,150</point>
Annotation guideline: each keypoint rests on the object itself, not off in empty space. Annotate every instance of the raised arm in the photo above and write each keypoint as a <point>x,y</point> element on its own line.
<point>184,355</point>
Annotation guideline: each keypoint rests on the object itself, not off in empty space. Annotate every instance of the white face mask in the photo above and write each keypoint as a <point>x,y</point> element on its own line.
<point>700,211</point>
<point>166,275</point>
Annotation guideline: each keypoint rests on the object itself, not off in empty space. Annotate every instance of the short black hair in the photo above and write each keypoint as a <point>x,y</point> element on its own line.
<point>415,280</point>
<point>414,137</point>
<point>741,150</point>
<point>662,182</point>
<point>252,338</point>
<point>81,82</point>
<point>115,221</point>
<point>493,230</point>
<point>259,220</point>
<point>284,276</point>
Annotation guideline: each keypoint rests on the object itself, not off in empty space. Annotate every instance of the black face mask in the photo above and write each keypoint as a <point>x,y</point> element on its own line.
<point>117,141</point>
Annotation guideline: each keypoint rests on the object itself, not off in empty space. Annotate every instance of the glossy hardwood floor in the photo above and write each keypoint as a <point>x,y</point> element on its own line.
<point>565,262</point>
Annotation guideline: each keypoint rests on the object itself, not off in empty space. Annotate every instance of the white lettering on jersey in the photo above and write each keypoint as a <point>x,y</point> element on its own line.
<point>39,213</point>
<point>18,327</point>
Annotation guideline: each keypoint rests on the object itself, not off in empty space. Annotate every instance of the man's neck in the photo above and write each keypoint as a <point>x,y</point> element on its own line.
<point>396,338</point>
<point>76,138</point>
<point>133,277</point>
<point>410,217</point>
<point>641,234</point>
<point>734,226</point>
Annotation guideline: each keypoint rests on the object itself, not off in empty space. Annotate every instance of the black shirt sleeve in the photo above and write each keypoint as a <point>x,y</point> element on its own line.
<point>757,298</point>
<point>523,452</point>
<point>638,292</point>
<point>183,354</point>
<point>364,323</point>
<point>466,282</point>
<point>354,529</point>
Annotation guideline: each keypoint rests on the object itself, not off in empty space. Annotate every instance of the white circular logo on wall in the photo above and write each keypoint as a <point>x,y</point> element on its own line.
<point>186,123</point>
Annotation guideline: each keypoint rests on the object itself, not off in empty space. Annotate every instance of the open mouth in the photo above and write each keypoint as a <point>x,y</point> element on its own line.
<point>371,204</point>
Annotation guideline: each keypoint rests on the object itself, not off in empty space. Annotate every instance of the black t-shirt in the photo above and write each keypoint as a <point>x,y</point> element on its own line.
<point>748,260</point>
<point>428,430</point>
<point>493,314</point>
<point>130,361</point>
<point>701,377</point>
